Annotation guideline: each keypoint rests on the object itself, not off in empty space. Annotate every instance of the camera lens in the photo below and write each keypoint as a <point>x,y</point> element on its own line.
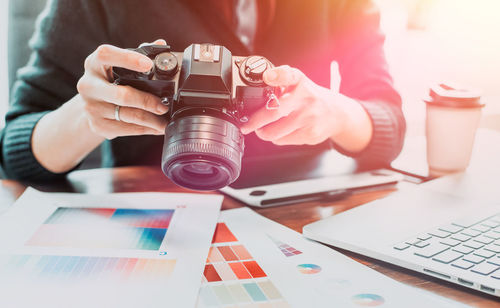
<point>202,152</point>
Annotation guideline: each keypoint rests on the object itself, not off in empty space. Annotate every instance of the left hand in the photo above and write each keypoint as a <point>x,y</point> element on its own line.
<point>308,113</point>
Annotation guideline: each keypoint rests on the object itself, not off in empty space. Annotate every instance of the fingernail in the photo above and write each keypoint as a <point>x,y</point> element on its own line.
<point>162,108</point>
<point>145,63</point>
<point>271,75</point>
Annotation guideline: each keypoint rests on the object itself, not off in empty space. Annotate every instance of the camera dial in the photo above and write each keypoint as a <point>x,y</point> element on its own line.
<point>166,64</point>
<point>252,69</point>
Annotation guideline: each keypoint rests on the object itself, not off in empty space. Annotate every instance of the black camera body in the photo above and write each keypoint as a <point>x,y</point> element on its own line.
<point>210,93</point>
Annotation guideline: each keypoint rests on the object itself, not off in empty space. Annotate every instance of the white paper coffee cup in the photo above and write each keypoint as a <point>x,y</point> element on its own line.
<point>452,119</point>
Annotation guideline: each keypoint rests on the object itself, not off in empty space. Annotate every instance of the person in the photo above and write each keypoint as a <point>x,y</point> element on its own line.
<point>63,103</point>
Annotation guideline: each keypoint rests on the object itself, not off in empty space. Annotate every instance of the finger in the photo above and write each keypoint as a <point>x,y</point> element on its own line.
<point>142,118</point>
<point>128,115</point>
<point>263,116</point>
<point>282,127</point>
<point>157,42</point>
<point>111,129</point>
<point>282,76</point>
<point>101,90</point>
<point>298,137</point>
<point>108,55</point>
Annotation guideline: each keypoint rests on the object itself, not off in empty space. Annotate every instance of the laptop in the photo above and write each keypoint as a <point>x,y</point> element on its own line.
<point>448,228</point>
<point>272,177</point>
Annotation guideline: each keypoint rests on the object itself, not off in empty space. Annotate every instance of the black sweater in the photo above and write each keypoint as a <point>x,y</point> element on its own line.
<point>304,34</point>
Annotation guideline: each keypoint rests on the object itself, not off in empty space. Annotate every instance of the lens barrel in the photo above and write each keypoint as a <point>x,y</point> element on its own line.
<point>202,152</point>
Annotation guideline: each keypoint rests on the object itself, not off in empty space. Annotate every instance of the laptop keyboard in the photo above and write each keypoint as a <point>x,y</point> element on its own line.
<point>470,244</point>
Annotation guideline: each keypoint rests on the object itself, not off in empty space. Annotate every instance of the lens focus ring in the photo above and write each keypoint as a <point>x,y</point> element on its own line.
<point>202,152</point>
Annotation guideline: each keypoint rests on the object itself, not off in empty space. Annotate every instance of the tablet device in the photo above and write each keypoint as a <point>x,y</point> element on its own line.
<point>271,180</point>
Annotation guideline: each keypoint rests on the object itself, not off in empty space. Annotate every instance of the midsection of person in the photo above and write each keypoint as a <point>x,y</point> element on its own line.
<point>87,103</point>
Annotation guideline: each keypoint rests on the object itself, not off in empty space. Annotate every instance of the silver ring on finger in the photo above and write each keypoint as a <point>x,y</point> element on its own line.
<point>117,113</point>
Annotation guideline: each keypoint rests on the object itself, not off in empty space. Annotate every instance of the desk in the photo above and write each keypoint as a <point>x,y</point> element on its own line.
<point>137,179</point>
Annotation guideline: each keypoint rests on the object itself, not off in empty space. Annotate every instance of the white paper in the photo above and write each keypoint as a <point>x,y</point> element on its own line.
<point>113,250</point>
<point>297,272</point>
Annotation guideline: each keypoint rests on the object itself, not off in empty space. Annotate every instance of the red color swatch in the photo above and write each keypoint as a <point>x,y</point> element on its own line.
<point>211,274</point>
<point>105,213</point>
<point>242,252</point>
<point>254,269</point>
<point>239,270</point>
<point>227,253</point>
<point>223,234</point>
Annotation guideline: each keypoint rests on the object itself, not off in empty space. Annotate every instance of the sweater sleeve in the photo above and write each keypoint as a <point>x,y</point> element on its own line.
<point>66,32</point>
<point>359,50</point>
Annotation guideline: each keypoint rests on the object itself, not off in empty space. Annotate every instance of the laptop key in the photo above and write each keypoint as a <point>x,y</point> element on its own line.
<point>412,241</point>
<point>447,256</point>
<point>425,237</point>
<point>495,261</point>
<point>492,234</point>
<point>462,264</point>
<point>493,247</point>
<point>401,246</point>
<point>483,239</point>
<point>491,223</point>
<point>484,253</point>
<point>461,237</point>
<point>496,229</point>
<point>421,244</point>
<point>470,232</point>
<point>451,228</point>
<point>463,249</point>
<point>481,228</point>
<point>449,242</point>
<point>440,233</point>
<point>431,250</point>
<point>473,244</point>
<point>484,268</point>
<point>474,259</point>
<point>496,275</point>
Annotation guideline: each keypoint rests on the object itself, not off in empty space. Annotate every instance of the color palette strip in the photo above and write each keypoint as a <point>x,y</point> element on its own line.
<point>233,271</point>
<point>251,294</point>
<point>79,236</point>
<point>286,249</point>
<point>228,253</point>
<point>232,277</point>
<point>77,268</point>
<point>104,228</point>
<point>141,218</point>
<point>223,234</point>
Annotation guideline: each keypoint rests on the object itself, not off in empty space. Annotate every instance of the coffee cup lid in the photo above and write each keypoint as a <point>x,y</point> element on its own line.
<point>448,95</point>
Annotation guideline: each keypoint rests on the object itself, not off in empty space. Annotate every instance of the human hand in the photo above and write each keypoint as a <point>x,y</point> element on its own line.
<point>308,113</point>
<point>140,113</point>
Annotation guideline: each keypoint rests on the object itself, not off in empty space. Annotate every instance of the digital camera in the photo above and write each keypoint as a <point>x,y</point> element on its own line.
<point>209,93</point>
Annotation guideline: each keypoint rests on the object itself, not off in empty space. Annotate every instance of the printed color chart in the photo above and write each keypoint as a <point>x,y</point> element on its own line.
<point>103,228</point>
<point>232,277</point>
<point>73,268</point>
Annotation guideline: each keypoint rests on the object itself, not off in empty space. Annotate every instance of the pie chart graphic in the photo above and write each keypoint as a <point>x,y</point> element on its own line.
<point>368,300</point>
<point>309,269</point>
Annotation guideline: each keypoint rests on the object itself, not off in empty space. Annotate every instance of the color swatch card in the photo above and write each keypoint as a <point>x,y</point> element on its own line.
<point>255,262</point>
<point>114,250</point>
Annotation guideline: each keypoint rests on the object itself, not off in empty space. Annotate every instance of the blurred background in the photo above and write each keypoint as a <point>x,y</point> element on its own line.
<point>427,41</point>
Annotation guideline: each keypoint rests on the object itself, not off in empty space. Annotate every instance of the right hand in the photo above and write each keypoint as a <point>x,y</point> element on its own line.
<point>140,113</point>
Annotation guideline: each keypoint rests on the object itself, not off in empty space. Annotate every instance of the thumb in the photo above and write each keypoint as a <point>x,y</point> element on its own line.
<point>282,76</point>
